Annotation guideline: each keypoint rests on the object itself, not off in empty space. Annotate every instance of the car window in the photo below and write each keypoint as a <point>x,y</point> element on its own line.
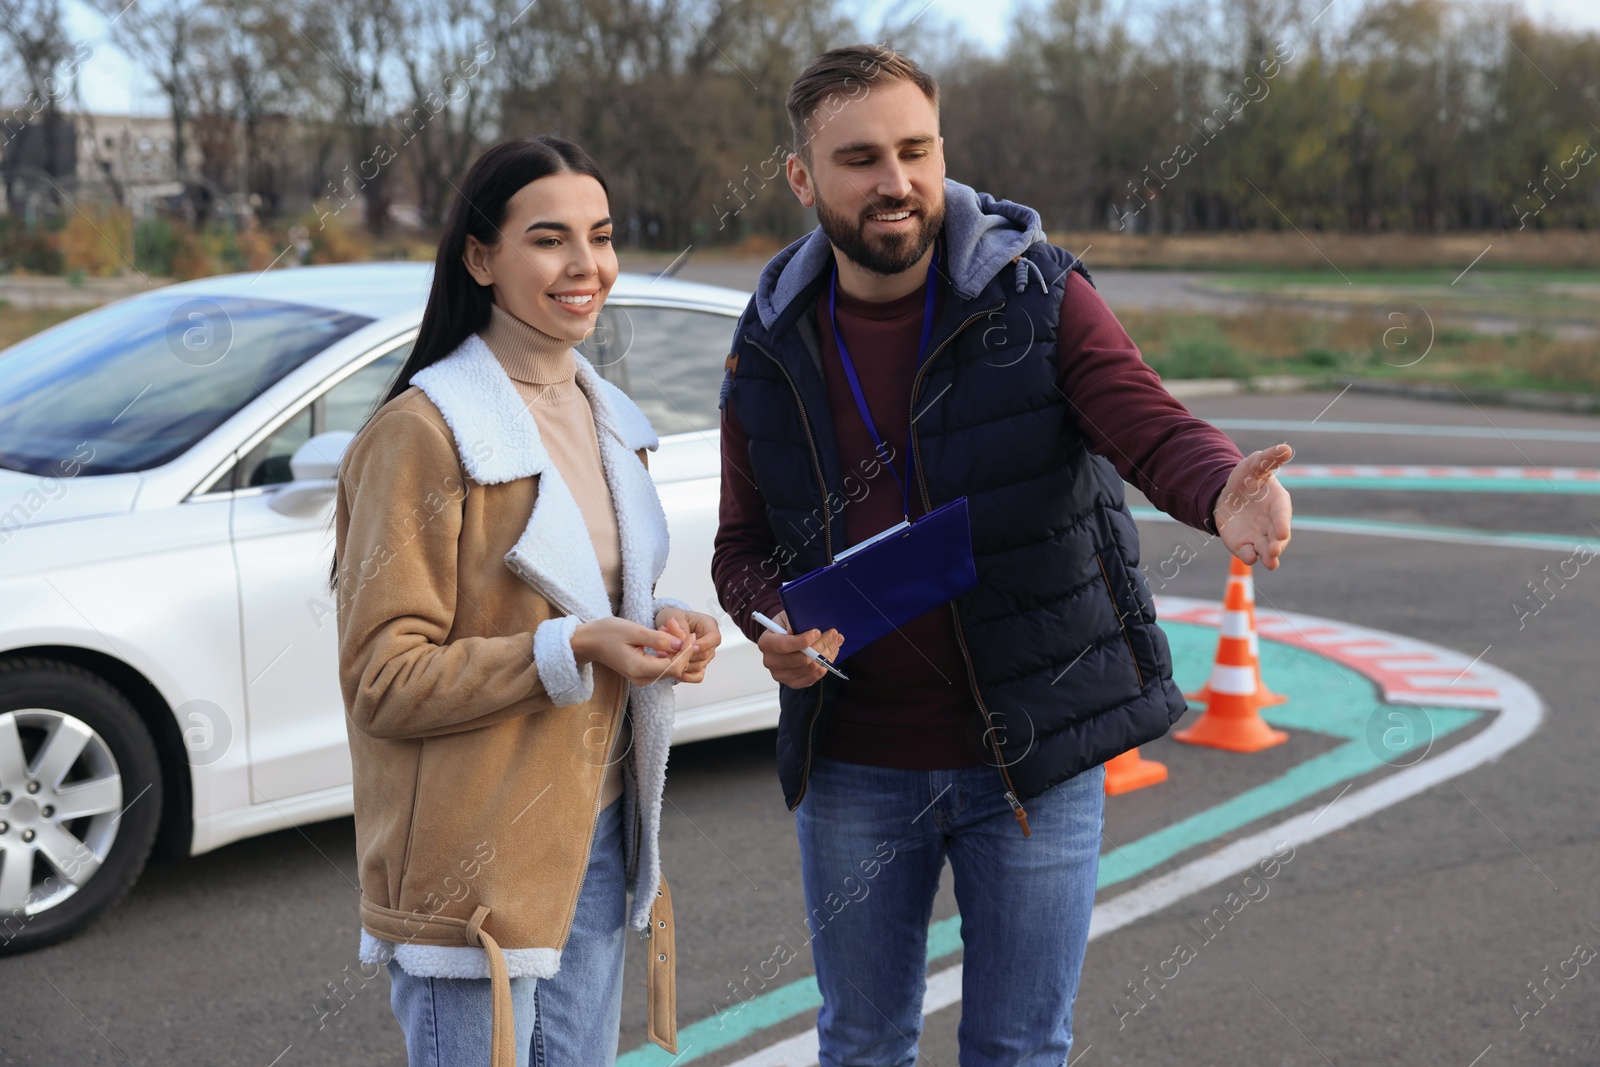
<point>136,384</point>
<point>347,405</point>
<point>344,407</point>
<point>668,360</point>
<point>268,462</point>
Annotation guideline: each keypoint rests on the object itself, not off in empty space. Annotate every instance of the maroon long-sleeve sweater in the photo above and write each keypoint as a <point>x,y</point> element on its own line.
<point>907,703</point>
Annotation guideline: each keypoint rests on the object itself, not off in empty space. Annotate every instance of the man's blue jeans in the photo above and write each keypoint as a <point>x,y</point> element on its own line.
<point>569,1020</point>
<point>873,842</point>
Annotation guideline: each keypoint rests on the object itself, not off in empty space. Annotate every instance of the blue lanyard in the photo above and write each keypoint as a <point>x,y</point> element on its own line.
<point>855,382</point>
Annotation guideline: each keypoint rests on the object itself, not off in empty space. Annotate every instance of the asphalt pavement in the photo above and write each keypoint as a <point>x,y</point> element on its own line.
<point>1457,926</point>
<point>1143,290</point>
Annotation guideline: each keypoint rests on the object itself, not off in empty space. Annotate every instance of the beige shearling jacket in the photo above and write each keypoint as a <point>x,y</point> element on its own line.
<point>477,744</point>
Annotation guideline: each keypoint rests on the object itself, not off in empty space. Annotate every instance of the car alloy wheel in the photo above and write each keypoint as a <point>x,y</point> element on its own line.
<point>81,796</point>
<point>60,806</point>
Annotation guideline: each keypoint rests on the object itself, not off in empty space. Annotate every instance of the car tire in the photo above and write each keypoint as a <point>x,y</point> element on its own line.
<point>81,817</point>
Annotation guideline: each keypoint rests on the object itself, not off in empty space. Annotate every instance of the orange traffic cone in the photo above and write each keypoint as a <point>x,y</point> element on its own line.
<point>1239,574</point>
<point>1130,771</point>
<point>1232,719</point>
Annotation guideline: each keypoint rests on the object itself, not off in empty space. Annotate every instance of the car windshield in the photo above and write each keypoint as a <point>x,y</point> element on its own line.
<point>134,385</point>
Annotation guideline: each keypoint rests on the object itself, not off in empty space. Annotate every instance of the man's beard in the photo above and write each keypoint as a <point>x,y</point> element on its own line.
<point>885,254</point>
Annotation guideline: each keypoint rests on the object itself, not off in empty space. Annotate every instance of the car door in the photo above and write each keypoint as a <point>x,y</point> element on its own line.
<point>669,359</point>
<point>298,743</point>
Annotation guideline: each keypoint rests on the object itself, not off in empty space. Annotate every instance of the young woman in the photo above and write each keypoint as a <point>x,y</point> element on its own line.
<point>507,667</point>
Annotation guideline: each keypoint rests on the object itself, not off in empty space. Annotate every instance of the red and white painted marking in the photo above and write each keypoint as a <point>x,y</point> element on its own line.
<point>1406,670</point>
<point>1437,472</point>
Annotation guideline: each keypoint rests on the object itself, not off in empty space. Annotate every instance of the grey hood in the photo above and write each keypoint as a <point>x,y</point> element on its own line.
<point>981,236</point>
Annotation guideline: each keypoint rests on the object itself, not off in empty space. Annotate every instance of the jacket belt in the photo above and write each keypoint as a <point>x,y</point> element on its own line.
<point>502,1041</point>
<point>661,974</point>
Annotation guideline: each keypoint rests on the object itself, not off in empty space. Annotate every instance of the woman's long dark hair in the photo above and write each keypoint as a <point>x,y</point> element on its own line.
<point>458,306</point>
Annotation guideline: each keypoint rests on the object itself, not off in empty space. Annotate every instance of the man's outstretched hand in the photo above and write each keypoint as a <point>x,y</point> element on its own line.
<point>1253,509</point>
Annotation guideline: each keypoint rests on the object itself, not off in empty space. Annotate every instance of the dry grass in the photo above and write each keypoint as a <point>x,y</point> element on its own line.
<point>19,323</point>
<point>1183,345</point>
<point>1362,344</point>
<point>100,241</point>
<point>1327,251</point>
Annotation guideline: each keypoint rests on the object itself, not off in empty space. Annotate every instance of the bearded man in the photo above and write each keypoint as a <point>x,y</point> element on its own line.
<point>927,343</point>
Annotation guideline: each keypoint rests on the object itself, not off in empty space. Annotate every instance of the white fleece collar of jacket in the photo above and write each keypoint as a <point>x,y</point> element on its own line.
<point>498,441</point>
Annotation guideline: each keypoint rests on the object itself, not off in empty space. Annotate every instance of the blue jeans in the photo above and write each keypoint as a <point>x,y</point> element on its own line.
<point>873,842</point>
<point>569,1020</point>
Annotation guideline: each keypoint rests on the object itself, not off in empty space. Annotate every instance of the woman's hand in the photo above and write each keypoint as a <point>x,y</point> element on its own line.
<point>624,647</point>
<point>703,628</point>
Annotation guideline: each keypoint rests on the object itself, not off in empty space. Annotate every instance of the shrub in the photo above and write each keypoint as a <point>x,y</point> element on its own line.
<point>155,244</point>
<point>28,249</point>
<point>257,248</point>
<point>190,256</point>
<point>1568,364</point>
<point>1322,357</point>
<point>1203,354</point>
<point>337,241</point>
<point>94,240</point>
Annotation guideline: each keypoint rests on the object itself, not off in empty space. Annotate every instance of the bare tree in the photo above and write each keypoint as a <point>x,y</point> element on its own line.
<point>164,40</point>
<point>452,71</point>
<point>34,133</point>
<point>1187,115</point>
<point>681,101</point>
<point>242,78</point>
<point>359,40</point>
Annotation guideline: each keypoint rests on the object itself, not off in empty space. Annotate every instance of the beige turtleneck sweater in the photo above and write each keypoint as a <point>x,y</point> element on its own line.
<point>544,370</point>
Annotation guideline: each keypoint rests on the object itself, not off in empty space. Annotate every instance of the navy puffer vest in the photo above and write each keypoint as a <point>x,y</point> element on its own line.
<point>1066,664</point>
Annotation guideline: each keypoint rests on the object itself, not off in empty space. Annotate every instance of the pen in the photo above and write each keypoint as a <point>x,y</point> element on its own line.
<point>811,653</point>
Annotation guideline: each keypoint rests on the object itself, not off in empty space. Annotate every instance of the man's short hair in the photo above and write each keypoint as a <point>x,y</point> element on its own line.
<point>841,75</point>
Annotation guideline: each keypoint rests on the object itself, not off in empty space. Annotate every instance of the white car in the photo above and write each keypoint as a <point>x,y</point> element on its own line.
<point>168,669</point>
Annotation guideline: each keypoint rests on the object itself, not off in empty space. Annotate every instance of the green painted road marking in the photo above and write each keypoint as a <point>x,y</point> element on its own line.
<point>1451,535</point>
<point>1397,429</point>
<point>1325,698</point>
<point>1444,485</point>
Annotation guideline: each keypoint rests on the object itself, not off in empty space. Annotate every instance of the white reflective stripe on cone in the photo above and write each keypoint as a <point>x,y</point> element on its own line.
<point>1233,681</point>
<point>1235,624</point>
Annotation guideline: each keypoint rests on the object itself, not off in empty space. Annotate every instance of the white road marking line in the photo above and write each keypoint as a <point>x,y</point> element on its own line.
<point>1438,535</point>
<point>1442,472</point>
<point>1395,429</point>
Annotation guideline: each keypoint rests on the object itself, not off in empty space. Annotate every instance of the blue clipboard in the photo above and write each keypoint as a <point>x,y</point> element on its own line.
<point>872,588</point>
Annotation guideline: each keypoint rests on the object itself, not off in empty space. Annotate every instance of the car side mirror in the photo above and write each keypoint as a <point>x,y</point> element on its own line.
<point>315,466</point>
<point>319,457</point>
